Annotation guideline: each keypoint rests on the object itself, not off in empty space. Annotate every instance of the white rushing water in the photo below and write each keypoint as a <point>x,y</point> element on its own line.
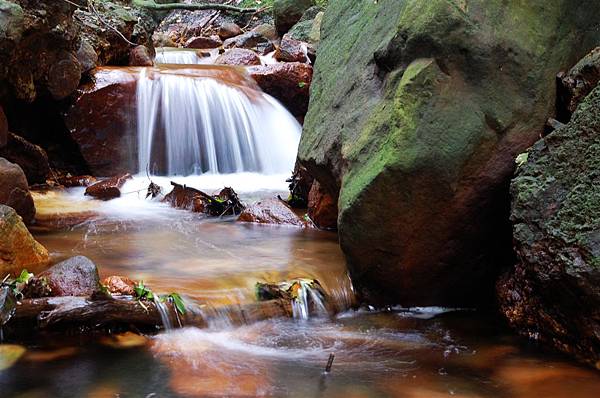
<point>209,126</point>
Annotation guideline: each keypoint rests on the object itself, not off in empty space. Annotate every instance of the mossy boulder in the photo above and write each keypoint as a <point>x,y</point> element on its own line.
<point>287,12</point>
<point>417,111</point>
<point>553,294</point>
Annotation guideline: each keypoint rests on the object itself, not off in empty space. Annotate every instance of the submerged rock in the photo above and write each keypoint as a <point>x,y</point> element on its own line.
<point>287,12</point>
<point>553,294</point>
<point>18,249</point>
<point>14,191</point>
<point>109,188</point>
<point>31,158</point>
<point>238,57</point>
<point>272,211</point>
<point>77,276</point>
<point>417,111</point>
<point>288,82</point>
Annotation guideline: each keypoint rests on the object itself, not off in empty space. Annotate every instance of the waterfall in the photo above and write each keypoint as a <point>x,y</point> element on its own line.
<point>211,120</point>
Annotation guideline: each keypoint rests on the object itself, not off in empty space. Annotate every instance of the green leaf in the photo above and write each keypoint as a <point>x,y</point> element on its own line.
<point>302,84</point>
<point>24,277</point>
<point>178,301</point>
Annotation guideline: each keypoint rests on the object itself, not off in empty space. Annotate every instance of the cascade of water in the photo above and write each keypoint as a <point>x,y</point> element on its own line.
<point>208,125</point>
<point>163,310</point>
<point>307,295</point>
<point>187,57</point>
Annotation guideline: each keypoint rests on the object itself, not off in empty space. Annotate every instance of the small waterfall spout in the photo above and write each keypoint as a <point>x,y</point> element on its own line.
<point>211,120</point>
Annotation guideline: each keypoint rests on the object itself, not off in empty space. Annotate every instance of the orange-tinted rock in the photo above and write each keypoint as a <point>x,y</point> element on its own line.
<point>77,276</point>
<point>119,285</point>
<point>109,188</point>
<point>288,82</point>
<point>141,56</point>
<point>31,158</point>
<point>100,122</point>
<point>322,207</point>
<point>3,128</point>
<point>238,57</point>
<point>185,198</point>
<point>204,42</point>
<point>291,50</point>
<point>272,211</point>
<point>14,191</point>
<point>228,30</point>
<point>18,249</point>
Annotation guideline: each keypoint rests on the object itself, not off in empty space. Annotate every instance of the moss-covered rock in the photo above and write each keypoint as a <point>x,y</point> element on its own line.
<point>417,111</point>
<point>287,12</point>
<point>553,294</point>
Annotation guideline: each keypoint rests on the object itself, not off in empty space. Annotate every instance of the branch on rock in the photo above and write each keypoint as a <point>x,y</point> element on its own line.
<point>187,198</point>
<point>150,4</point>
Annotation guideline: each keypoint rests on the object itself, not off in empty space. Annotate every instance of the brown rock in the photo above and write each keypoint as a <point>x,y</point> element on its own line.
<point>76,181</point>
<point>252,41</point>
<point>322,207</point>
<point>204,42</point>
<point>3,128</point>
<point>228,30</point>
<point>185,198</point>
<point>18,249</point>
<point>267,31</point>
<point>14,191</point>
<point>100,122</point>
<point>272,211</point>
<point>141,56</point>
<point>77,276</point>
<point>291,50</point>
<point>119,285</point>
<point>238,57</point>
<point>31,158</point>
<point>288,82</point>
<point>109,188</point>
<point>87,57</point>
<point>64,76</point>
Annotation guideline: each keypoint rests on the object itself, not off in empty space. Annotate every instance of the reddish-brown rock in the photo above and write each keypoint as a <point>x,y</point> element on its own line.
<point>77,276</point>
<point>252,41</point>
<point>322,207</point>
<point>3,128</point>
<point>291,50</point>
<point>109,188</point>
<point>101,122</point>
<point>228,30</point>
<point>14,191</point>
<point>288,82</point>
<point>272,211</point>
<point>31,158</point>
<point>204,42</point>
<point>141,56</point>
<point>76,181</point>
<point>119,285</point>
<point>238,57</point>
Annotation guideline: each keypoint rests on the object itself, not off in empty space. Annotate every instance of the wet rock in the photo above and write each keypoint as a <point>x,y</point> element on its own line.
<point>204,42</point>
<point>228,30</point>
<point>70,181</point>
<point>252,41</point>
<point>418,128</point>
<point>3,128</point>
<point>141,56</point>
<point>308,28</point>
<point>32,159</point>
<point>18,249</point>
<point>238,57</point>
<point>163,39</point>
<point>291,50</point>
<point>268,31</point>
<point>272,211</point>
<point>109,188</point>
<point>14,191</point>
<point>87,57</point>
<point>64,76</point>
<point>287,12</point>
<point>191,199</point>
<point>288,82</point>
<point>300,184</point>
<point>577,83</point>
<point>322,207</point>
<point>120,285</point>
<point>77,276</point>
<point>100,122</point>
<point>553,293</point>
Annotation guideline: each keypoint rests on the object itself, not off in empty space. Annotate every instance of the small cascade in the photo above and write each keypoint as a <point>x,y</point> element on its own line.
<point>211,120</point>
<point>178,56</point>
<point>309,299</point>
<point>164,312</point>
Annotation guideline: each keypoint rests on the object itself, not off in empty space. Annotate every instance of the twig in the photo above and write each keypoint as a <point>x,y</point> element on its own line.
<point>192,7</point>
<point>93,9</point>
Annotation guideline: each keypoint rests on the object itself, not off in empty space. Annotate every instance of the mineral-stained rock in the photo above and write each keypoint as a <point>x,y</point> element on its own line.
<point>322,207</point>
<point>228,30</point>
<point>291,50</point>
<point>14,191</point>
<point>288,82</point>
<point>288,12</point>
<point>31,158</point>
<point>577,83</point>
<point>417,111</point>
<point>204,42</point>
<point>251,41</point>
<point>77,276</point>
<point>141,56</point>
<point>18,249</point>
<point>553,294</point>
<point>238,57</point>
<point>109,188</point>
<point>272,211</point>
